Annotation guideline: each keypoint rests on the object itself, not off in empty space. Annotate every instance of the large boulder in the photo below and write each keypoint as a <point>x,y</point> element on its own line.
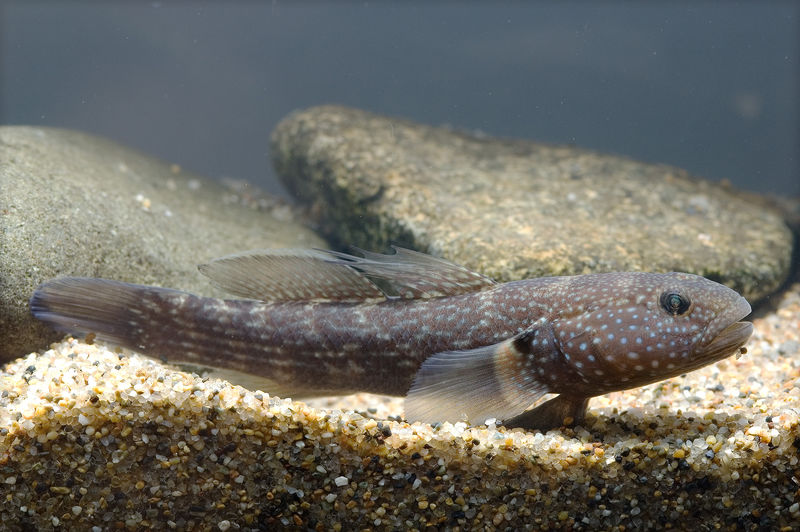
<point>75,204</point>
<point>513,209</point>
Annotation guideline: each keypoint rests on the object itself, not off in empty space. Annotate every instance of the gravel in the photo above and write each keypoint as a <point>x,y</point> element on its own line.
<point>92,437</point>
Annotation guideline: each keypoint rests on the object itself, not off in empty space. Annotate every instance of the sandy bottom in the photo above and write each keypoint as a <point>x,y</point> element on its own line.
<point>95,439</point>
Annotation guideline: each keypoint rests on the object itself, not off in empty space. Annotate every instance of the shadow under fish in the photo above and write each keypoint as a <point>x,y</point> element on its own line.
<point>456,344</point>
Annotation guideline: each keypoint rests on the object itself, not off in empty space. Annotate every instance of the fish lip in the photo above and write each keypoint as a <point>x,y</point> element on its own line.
<point>730,338</point>
<point>734,335</point>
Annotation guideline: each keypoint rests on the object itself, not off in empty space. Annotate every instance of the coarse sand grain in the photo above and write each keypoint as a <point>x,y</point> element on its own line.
<point>92,438</point>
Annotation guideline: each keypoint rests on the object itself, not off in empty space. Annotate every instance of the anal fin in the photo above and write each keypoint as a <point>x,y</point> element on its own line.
<point>255,382</point>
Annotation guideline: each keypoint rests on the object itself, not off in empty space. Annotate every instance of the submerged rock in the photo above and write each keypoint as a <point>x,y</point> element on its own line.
<point>95,437</point>
<point>513,209</point>
<point>74,204</point>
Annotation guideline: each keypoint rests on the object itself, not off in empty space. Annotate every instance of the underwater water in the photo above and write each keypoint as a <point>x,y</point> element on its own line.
<point>96,239</point>
<point>710,88</point>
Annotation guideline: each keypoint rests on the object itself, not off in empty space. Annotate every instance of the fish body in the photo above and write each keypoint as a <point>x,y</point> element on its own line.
<point>454,342</point>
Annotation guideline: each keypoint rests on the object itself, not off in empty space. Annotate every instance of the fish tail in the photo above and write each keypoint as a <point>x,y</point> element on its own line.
<point>112,310</point>
<point>179,327</point>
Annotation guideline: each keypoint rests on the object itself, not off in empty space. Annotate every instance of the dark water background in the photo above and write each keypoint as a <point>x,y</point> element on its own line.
<point>712,88</point>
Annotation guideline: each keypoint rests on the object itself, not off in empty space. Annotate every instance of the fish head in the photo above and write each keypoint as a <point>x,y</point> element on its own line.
<point>633,329</point>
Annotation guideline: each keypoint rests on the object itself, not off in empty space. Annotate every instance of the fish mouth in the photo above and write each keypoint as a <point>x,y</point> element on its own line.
<point>731,337</point>
<point>729,340</point>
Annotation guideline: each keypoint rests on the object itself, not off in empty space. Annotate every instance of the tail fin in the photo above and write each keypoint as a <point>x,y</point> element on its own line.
<point>185,329</point>
<point>112,310</point>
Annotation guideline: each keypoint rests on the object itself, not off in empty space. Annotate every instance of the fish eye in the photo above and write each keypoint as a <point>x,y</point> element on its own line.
<point>674,303</point>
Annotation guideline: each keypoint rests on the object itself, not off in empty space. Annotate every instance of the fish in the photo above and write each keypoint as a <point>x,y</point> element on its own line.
<point>458,345</point>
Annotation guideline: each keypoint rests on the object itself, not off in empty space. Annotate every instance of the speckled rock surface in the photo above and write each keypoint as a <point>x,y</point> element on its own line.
<point>93,438</point>
<point>74,204</point>
<point>515,209</point>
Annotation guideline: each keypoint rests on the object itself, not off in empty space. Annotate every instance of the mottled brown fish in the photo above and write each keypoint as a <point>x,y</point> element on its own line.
<point>457,344</point>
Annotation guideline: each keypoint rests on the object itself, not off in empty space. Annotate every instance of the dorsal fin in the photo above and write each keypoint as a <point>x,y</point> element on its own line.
<point>411,275</point>
<point>289,275</point>
<point>320,275</point>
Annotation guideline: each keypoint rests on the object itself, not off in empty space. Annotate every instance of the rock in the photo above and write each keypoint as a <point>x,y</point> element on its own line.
<point>95,437</point>
<point>74,204</point>
<point>513,209</point>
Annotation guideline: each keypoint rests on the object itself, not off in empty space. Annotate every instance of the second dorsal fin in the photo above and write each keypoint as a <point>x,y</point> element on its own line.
<point>410,274</point>
<point>289,275</point>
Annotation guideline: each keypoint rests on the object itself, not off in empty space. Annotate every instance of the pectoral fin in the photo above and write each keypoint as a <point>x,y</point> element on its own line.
<point>494,381</point>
